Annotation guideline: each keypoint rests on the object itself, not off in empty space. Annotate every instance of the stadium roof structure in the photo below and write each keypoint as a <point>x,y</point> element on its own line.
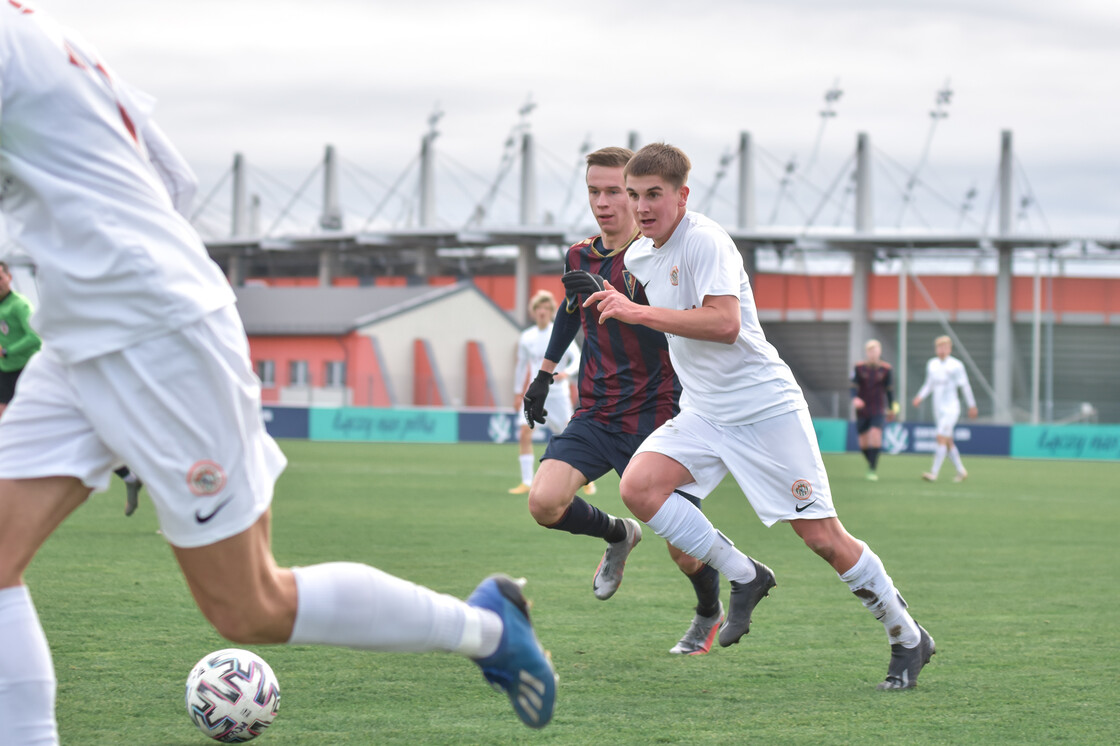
<point>334,311</point>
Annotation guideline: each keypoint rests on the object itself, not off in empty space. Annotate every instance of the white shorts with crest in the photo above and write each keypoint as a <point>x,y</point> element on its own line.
<point>182,411</point>
<point>775,461</point>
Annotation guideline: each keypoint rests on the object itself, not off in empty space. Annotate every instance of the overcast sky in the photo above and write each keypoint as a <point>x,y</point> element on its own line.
<point>278,80</point>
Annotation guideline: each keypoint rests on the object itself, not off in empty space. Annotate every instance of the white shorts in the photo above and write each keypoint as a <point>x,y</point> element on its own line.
<point>947,418</point>
<point>182,411</point>
<point>776,461</point>
<point>559,407</point>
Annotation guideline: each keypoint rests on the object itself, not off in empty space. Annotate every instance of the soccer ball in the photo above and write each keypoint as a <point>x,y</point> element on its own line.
<point>232,695</point>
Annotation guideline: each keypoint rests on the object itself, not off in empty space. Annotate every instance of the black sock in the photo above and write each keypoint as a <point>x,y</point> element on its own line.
<point>873,457</point>
<point>584,518</point>
<point>122,472</point>
<point>706,585</point>
<point>867,455</point>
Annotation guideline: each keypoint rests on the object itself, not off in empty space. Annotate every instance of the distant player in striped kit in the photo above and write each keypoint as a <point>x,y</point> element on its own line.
<point>627,389</point>
<point>874,404</point>
<point>945,374</point>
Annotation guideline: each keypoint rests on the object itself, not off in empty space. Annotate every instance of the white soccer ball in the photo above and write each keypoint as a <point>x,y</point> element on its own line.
<point>232,695</point>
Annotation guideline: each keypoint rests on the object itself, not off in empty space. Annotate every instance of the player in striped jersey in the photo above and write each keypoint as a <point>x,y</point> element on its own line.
<point>627,388</point>
<point>874,404</point>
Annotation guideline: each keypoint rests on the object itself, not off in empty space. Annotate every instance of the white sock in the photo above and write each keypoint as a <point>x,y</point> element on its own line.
<point>686,527</point>
<point>526,460</point>
<point>358,606</point>
<point>955,457</point>
<point>869,581</point>
<point>27,683</point>
<point>938,458</point>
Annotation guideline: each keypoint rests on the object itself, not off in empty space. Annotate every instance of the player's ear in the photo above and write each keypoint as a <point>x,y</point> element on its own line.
<point>683,196</point>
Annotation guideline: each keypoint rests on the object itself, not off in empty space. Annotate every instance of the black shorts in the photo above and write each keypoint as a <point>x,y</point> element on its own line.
<point>863,424</point>
<point>593,450</point>
<point>8,380</point>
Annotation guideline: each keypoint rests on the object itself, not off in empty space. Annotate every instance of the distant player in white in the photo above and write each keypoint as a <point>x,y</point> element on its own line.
<point>530,354</point>
<point>945,374</point>
<point>145,361</point>
<point>741,412</point>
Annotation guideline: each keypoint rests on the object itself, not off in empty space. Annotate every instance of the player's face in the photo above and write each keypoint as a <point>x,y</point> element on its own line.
<point>873,353</point>
<point>658,206</point>
<point>606,191</point>
<point>5,282</point>
<point>943,349</point>
<point>542,314</point>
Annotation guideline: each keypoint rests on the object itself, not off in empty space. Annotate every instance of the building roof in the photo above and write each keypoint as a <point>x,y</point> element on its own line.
<point>335,310</point>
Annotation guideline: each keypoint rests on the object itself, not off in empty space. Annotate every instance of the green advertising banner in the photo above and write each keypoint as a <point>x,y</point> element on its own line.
<point>385,425</point>
<point>1097,442</point>
<point>832,435</point>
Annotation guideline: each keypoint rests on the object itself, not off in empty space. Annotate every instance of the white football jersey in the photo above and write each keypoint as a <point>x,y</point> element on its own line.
<point>943,378</point>
<point>531,348</point>
<point>87,184</point>
<point>728,384</point>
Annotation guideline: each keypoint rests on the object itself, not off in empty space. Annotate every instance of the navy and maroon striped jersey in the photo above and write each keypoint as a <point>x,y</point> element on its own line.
<point>872,383</point>
<point>626,382</point>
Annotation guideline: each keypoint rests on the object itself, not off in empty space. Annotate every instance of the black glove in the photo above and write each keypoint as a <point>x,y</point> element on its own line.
<point>534,398</point>
<point>581,282</point>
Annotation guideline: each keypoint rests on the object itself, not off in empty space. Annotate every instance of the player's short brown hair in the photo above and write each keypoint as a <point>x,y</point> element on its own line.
<point>660,159</point>
<point>540,298</point>
<point>612,157</point>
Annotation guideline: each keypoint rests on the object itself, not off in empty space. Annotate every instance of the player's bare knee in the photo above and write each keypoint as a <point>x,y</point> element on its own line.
<point>546,505</point>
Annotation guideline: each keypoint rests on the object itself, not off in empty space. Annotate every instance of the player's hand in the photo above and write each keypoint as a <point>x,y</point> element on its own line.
<point>535,395</point>
<point>917,401</point>
<point>612,304</point>
<point>581,282</point>
<point>857,403</point>
<point>972,412</point>
<point>895,409</point>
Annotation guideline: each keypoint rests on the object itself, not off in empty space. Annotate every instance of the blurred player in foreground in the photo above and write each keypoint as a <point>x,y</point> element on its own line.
<point>741,412</point>
<point>126,286</point>
<point>627,388</point>
<point>945,374</point>
<point>874,404</point>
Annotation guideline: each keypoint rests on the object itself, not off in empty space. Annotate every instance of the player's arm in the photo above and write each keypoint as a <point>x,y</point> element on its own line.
<point>966,389</point>
<point>172,168</point>
<point>717,320</point>
<point>853,389</point>
<point>564,328</point>
<point>888,390</point>
<point>28,343</point>
<point>923,392</point>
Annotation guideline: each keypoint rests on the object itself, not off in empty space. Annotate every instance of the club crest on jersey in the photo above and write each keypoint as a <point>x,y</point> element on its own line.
<point>630,282</point>
<point>206,478</point>
<point>675,276</point>
<point>802,490</point>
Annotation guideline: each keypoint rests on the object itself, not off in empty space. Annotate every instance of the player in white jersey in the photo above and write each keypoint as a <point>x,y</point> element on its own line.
<point>125,287</point>
<point>945,375</point>
<point>531,347</point>
<point>741,412</point>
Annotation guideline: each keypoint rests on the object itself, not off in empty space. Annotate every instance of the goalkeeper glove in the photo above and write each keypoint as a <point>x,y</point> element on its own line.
<point>895,407</point>
<point>534,398</point>
<point>581,282</point>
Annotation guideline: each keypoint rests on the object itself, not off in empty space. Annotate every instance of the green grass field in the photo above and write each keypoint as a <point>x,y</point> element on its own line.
<point>1016,574</point>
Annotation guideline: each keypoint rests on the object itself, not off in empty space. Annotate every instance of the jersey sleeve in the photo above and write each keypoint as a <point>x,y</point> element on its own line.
<point>172,168</point>
<point>521,368</point>
<point>888,386</point>
<point>564,329</point>
<point>965,386</point>
<point>714,263</point>
<point>927,385</point>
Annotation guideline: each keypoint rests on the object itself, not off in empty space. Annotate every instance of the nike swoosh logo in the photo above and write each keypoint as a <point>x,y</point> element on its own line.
<point>198,516</point>
<point>800,508</point>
